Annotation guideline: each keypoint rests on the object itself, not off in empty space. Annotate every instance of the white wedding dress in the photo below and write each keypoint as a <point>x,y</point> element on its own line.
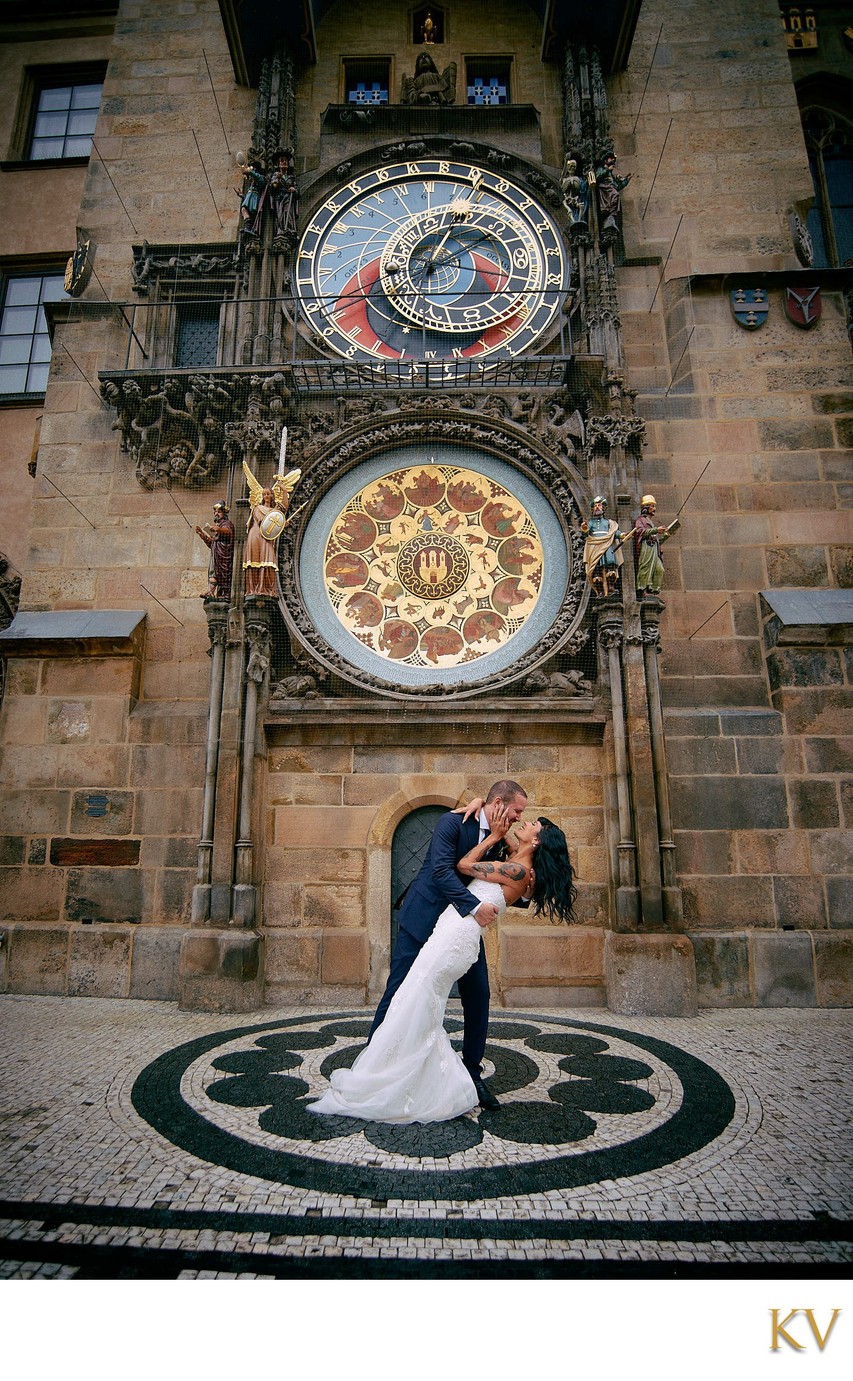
<point>410,1072</point>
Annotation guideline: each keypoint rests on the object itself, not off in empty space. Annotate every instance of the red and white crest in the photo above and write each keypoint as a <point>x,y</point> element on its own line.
<point>803,306</point>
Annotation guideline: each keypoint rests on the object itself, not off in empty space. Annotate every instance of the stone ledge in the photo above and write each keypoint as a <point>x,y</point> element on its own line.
<point>74,633</point>
<point>797,617</point>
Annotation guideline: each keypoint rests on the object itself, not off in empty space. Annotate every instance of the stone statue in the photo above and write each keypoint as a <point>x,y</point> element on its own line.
<point>648,539</point>
<point>220,539</point>
<point>428,29</point>
<point>267,507</point>
<point>575,192</point>
<point>610,186</point>
<point>285,201</point>
<point>254,190</point>
<point>602,556</point>
<point>428,86</point>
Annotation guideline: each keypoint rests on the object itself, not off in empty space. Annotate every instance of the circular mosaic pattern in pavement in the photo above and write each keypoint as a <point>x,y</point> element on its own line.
<point>580,1103</point>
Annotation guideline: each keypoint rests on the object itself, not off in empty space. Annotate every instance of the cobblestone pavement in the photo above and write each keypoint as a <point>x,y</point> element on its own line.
<point>143,1142</point>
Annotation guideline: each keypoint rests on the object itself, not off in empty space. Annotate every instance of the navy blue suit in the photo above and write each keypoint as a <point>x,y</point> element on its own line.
<point>437,886</point>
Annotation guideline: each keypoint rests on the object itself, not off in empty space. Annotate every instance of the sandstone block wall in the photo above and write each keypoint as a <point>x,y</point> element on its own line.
<point>331,809</point>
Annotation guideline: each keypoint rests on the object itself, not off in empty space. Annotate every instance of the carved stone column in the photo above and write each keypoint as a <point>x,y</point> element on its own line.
<point>650,612</point>
<point>217,628</point>
<point>257,616</point>
<point>627,895</point>
<point>642,775</point>
<point>222,960</point>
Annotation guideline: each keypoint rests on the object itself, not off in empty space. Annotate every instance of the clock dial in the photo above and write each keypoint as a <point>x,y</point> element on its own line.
<point>428,261</point>
<point>438,586</point>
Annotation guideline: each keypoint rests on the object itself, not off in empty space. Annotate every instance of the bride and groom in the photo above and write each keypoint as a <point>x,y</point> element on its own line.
<point>409,1072</point>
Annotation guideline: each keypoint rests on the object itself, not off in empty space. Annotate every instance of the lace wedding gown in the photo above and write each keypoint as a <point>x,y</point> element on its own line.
<point>410,1072</point>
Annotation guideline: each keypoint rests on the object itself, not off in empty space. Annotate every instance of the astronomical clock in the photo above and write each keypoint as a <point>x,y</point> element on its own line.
<point>430,260</point>
<point>442,551</point>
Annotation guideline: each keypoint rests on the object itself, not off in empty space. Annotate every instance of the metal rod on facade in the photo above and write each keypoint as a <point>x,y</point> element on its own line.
<point>708,620</point>
<point>668,257</point>
<point>207,180</point>
<point>118,308</point>
<point>180,510</point>
<point>216,102</point>
<point>85,381</point>
<point>698,477</point>
<point>160,602</point>
<point>648,74</point>
<point>680,358</point>
<point>657,169</point>
<point>71,501</point>
<point>115,189</point>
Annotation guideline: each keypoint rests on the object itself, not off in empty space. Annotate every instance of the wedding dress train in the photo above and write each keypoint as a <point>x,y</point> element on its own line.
<point>410,1072</point>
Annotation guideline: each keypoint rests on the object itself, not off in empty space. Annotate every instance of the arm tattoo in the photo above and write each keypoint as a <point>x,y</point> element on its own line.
<point>514,871</point>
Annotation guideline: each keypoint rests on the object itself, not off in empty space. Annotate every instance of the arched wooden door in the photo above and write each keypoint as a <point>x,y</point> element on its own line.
<point>408,850</point>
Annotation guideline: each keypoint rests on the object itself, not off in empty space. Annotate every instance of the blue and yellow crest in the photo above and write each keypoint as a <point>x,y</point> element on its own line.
<point>749,307</point>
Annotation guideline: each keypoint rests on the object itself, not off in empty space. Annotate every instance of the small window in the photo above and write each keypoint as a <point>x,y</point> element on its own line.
<point>428,25</point>
<point>24,340</point>
<point>64,117</point>
<point>367,81</point>
<point>488,81</point>
<point>197,334</point>
<point>830,220</point>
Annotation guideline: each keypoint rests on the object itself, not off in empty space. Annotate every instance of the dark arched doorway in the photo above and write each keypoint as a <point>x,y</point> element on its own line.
<point>408,850</point>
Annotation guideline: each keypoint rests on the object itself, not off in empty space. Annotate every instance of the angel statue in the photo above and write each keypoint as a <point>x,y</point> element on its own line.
<point>267,522</point>
<point>428,86</point>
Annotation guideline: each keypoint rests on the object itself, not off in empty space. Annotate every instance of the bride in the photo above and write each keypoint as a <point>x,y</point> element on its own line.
<point>410,1072</point>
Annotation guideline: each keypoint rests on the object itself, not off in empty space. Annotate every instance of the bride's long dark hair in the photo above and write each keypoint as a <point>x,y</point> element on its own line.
<point>554,891</point>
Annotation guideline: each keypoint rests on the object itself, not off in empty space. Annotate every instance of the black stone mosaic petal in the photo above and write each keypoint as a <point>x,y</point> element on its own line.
<point>293,1120</point>
<point>255,1062</point>
<point>555,1044</point>
<point>301,1040</point>
<point>512,1069</point>
<point>607,1068</point>
<point>537,1123</point>
<point>510,1031</point>
<point>347,1028</point>
<point>604,1097</point>
<point>283,1045</point>
<point>249,1092</point>
<point>433,1139</point>
<point>344,1058</point>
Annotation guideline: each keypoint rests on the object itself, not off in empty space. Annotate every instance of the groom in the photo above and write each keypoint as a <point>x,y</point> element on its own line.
<point>437,886</point>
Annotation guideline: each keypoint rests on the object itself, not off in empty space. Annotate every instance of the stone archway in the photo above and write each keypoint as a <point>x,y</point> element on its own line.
<point>380,840</point>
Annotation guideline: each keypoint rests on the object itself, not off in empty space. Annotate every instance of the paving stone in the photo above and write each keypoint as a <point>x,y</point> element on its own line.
<point>89,1186</point>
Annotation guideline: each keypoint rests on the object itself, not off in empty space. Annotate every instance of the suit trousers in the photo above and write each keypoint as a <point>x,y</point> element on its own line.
<point>473,993</point>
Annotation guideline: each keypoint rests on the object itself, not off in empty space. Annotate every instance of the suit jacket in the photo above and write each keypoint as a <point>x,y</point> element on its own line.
<point>438,884</point>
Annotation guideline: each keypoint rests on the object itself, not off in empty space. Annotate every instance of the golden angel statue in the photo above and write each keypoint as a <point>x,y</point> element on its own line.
<point>267,522</point>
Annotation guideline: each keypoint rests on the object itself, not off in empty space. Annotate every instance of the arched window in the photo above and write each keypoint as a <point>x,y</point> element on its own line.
<point>829,140</point>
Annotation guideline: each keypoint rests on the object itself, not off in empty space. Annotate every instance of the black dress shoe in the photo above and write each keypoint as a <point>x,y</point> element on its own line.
<point>485,1095</point>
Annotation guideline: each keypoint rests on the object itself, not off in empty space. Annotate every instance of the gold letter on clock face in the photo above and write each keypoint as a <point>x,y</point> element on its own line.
<point>433,565</point>
<point>429,261</point>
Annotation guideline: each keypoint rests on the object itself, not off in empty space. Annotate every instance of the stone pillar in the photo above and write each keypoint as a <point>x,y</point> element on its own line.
<point>627,896</point>
<point>673,912</point>
<point>244,893</point>
<point>222,964</point>
<point>217,628</point>
<point>642,776</point>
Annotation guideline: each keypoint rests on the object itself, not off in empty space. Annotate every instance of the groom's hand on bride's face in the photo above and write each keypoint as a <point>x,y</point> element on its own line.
<point>486,914</point>
<point>500,819</point>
